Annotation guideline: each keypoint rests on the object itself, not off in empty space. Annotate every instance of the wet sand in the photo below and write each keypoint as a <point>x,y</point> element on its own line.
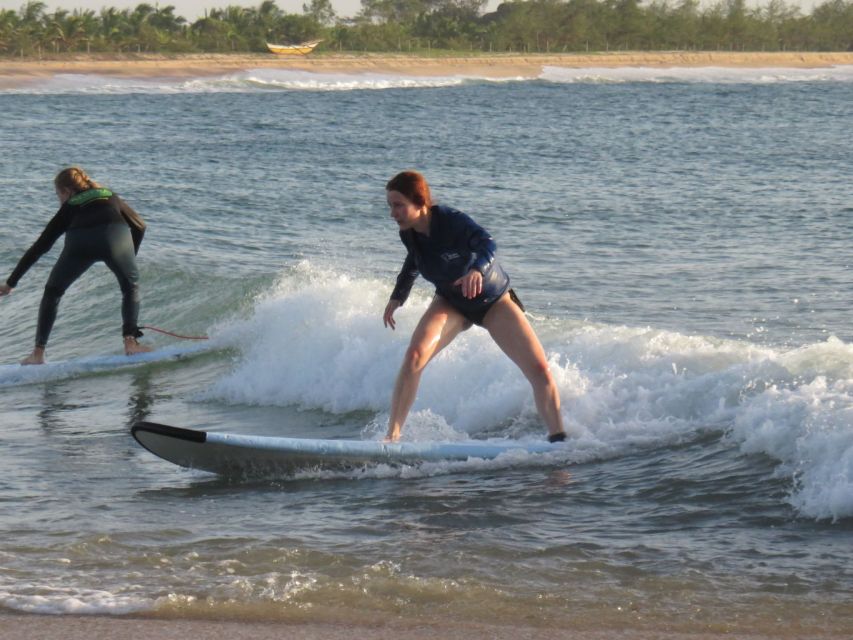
<point>30,627</point>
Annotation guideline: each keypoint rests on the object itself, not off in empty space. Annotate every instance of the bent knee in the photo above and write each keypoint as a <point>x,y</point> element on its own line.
<point>539,372</point>
<point>416,358</point>
<point>53,292</point>
<point>130,289</point>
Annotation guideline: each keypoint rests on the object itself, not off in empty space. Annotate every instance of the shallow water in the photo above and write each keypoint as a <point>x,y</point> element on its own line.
<point>681,240</point>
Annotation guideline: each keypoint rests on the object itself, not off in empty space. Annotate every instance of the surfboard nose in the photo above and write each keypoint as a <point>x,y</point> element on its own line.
<point>141,428</point>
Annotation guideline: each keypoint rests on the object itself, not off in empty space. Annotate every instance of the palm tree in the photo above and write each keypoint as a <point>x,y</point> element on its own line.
<point>165,20</point>
<point>8,24</point>
<point>268,15</point>
<point>55,30</point>
<point>321,10</point>
<point>114,27</point>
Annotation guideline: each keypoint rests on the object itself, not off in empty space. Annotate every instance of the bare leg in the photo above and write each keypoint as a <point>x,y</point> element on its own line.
<point>36,357</point>
<point>510,329</point>
<point>439,325</point>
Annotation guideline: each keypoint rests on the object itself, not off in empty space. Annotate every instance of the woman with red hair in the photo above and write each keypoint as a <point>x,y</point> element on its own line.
<point>457,255</point>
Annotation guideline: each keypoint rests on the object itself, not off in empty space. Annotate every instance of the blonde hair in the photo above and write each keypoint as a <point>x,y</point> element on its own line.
<point>75,180</point>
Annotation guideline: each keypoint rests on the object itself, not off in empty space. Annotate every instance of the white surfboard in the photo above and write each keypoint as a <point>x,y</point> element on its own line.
<point>231,454</point>
<point>16,374</point>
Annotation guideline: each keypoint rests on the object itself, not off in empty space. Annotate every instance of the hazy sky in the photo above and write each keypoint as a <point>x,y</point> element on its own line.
<point>192,9</point>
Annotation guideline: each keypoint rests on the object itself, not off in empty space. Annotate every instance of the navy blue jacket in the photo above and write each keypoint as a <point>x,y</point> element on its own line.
<point>455,245</point>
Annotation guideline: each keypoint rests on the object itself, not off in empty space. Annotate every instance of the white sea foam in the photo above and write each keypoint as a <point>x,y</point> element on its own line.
<point>719,75</point>
<point>253,80</point>
<point>809,428</point>
<point>313,81</point>
<point>317,341</point>
<point>264,79</point>
<point>70,600</point>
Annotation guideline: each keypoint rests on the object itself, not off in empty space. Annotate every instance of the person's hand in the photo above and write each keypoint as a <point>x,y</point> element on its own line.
<point>471,283</point>
<point>388,316</point>
<point>5,289</point>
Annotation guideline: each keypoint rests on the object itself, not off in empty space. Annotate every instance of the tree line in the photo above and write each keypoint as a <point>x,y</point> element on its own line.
<point>435,26</point>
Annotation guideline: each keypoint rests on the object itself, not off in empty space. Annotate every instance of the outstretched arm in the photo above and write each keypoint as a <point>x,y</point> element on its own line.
<point>55,228</point>
<point>405,279</point>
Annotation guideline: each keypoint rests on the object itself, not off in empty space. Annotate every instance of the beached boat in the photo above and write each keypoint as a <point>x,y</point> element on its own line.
<point>301,49</point>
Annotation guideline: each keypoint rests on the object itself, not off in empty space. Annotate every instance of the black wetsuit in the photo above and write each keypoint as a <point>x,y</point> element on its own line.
<point>455,245</point>
<point>99,227</point>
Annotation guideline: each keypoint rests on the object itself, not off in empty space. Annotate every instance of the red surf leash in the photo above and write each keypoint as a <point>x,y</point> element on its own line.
<point>174,335</point>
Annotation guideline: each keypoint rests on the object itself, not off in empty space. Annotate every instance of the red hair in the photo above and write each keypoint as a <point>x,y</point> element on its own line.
<point>413,186</point>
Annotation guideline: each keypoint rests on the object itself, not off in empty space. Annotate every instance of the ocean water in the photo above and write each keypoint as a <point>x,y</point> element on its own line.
<point>681,239</point>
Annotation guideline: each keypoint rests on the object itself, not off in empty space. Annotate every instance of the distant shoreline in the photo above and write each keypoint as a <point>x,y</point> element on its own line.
<point>14,71</point>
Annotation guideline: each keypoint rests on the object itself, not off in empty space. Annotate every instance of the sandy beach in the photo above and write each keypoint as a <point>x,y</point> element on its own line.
<point>17,71</point>
<point>69,627</point>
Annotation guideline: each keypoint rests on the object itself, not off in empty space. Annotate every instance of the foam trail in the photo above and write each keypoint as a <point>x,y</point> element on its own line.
<point>316,340</point>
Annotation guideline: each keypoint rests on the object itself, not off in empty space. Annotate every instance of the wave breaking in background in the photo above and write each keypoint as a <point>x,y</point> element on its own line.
<point>715,75</point>
<point>254,80</point>
<point>265,79</point>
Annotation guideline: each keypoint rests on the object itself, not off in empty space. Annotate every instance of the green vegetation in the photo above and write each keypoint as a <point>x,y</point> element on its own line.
<point>421,26</point>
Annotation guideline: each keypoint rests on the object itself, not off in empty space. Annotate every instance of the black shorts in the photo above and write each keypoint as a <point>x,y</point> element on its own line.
<point>476,314</point>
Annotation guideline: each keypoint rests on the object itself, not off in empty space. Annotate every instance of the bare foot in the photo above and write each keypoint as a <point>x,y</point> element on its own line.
<point>35,357</point>
<point>132,346</point>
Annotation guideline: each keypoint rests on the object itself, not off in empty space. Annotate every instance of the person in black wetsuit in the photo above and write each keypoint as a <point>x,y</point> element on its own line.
<point>457,255</point>
<point>99,227</point>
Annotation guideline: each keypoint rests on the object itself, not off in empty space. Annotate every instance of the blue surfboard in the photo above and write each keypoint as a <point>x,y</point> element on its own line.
<point>232,454</point>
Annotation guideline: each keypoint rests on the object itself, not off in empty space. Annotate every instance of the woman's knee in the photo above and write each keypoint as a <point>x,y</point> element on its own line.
<point>539,373</point>
<point>416,358</point>
<point>130,290</point>
<point>53,292</point>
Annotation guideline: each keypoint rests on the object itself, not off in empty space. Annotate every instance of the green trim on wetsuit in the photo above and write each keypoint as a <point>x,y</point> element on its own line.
<point>85,197</point>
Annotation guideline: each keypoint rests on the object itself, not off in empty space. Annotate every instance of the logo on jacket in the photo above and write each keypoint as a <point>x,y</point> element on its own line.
<point>450,256</point>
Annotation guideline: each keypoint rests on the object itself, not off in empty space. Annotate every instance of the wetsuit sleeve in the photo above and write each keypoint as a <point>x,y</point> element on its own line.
<point>55,228</point>
<point>135,222</point>
<point>480,242</point>
<point>405,279</point>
